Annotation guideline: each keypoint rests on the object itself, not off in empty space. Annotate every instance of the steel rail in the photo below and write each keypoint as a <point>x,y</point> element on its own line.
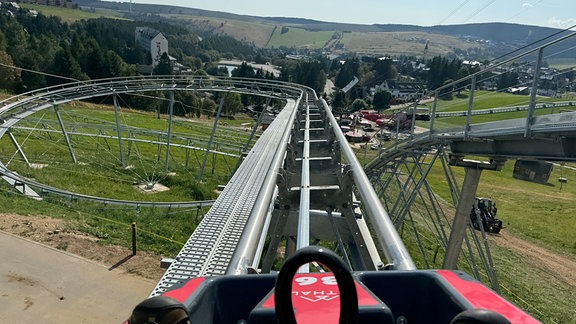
<point>97,88</point>
<point>210,249</point>
<point>547,127</point>
<point>303,238</point>
<point>245,254</point>
<point>390,241</point>
<point>505,109</point>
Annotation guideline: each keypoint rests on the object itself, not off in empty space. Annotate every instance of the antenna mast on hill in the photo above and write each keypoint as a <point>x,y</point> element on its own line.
<point>130,5</point>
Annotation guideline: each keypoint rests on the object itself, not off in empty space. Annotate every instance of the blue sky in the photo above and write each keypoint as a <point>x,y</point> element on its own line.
<point>549,13</point>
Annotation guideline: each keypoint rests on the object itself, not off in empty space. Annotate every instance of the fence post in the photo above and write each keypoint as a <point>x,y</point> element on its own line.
<point>133,238</point>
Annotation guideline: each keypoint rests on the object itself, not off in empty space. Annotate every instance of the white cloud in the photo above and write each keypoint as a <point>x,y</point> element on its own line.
<point>561,23</point>
<point>527,5</point>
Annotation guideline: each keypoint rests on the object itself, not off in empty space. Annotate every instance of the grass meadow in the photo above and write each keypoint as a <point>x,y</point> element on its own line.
<point>72,15</point>
<point>298,37</point>
<point>99,171</point>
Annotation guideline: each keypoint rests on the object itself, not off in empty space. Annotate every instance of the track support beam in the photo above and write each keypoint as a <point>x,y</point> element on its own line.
<point>465,203</point>
<point>169,131</point>
<point>533,93</point>
<point>211,138</point>
<point>118,130</point>
<point>470,106</point>
<point>65,134</point>
<point>461,219</point>
<point>18,148</point>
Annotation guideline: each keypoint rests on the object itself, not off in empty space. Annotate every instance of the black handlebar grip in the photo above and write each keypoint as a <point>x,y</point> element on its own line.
<point>346,285</point>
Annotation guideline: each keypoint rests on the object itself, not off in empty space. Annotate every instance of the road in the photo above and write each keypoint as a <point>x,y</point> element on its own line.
<point>40,284</point>
<point>265,67</point>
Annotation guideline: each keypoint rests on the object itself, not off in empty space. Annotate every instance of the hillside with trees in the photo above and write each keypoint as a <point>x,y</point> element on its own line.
<point>37,51</point>
<point>95,48</point>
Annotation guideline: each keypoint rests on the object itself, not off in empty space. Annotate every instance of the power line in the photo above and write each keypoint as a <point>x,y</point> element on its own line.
<point>533,43</point>
<point>38,72</point>
<point>479,10</point>
<point>524,9</point>
<point>453,11</point>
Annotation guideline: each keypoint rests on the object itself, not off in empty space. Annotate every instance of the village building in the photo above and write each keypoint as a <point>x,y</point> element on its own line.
<point>401,91</point>
<point>153,42</point>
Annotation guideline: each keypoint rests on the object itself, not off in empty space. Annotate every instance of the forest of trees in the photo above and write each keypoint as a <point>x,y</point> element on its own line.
<point>92,49</point>
<point>79,51</point>
<point>39,51</point>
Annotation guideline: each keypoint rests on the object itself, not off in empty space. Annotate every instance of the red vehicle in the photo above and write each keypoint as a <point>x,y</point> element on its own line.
<point>387,296</point>
<point>371,117</point>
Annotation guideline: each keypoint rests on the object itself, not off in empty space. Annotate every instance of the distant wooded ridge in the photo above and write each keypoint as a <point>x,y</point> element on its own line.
<point>506,36</point>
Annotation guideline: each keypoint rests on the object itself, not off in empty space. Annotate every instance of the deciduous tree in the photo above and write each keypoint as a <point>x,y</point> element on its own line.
<point>9,75</point>
<point>381,99</point>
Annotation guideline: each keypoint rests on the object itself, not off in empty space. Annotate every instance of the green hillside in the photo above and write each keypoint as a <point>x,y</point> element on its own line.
<point>255,32</point>
<point>72,15</point>
<point>404,43</point>
<point>298,38</point>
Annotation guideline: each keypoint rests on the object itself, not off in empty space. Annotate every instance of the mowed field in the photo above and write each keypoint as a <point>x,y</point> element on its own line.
<point>399,43</point>
<point>254,32</point>
<point>298,37</point>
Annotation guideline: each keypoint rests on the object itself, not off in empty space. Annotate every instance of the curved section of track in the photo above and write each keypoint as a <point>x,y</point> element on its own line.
<point>15,109</point>
<point>552,137</point>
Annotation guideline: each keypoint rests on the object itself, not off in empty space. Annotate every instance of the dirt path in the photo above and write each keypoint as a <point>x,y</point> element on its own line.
<point>39,284</point>
<point>561,267</point>
<point>61,235</point>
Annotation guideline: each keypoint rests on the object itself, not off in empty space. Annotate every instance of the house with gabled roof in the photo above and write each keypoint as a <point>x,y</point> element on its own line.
<point>153,42</point>
<point>401,91</point>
